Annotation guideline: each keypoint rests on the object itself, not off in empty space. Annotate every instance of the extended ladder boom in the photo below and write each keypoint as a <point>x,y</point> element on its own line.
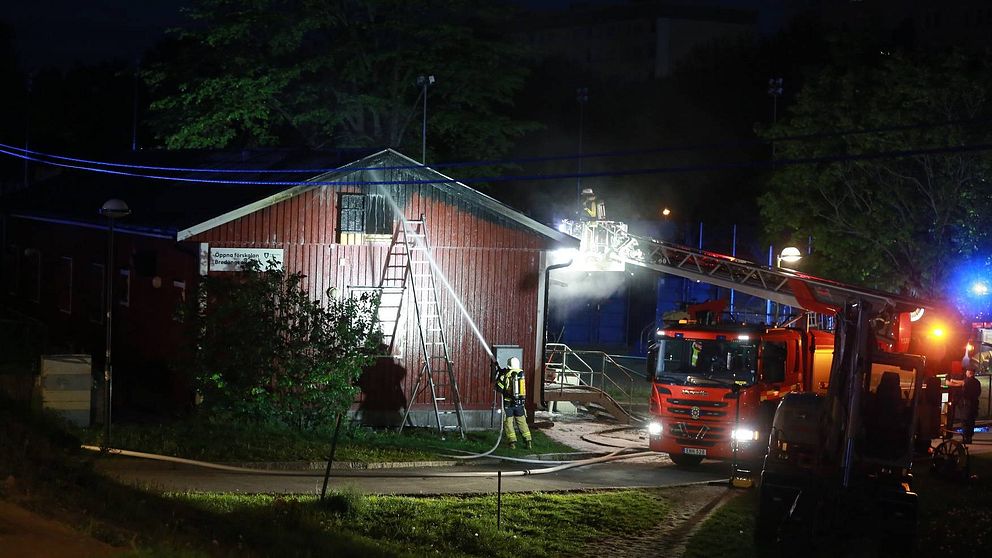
<point>610,239</point>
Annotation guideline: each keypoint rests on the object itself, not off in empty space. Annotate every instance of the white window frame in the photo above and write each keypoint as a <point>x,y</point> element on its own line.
<point>68,309</point>
<point>14,281</point>
<point>181,285</point>
<point>35,294</point>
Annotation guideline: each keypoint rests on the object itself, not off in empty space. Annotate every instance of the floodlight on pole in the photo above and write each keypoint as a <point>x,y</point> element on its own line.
<point>582,97</point>
<point>424,82</point>
<point>112,209</point>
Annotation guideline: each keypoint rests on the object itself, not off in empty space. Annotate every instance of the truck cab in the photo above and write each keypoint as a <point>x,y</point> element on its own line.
<point>715,388</point>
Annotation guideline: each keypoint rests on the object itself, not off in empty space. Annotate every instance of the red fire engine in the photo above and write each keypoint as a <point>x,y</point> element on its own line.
<point>715,388</point>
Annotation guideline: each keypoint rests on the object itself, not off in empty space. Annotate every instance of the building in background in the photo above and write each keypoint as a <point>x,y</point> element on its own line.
<point>335,227</point>
<point>632,42</point>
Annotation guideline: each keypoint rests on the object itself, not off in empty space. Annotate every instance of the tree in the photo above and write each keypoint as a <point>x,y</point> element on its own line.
<point>339,74</point>
<point>899,221</point>
<point>263,349</point>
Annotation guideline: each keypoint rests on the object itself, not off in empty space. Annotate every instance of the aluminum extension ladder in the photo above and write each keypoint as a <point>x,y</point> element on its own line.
<point>408,266</point>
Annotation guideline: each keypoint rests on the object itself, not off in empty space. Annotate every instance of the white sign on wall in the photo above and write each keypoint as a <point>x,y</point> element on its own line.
<point>232,259</point>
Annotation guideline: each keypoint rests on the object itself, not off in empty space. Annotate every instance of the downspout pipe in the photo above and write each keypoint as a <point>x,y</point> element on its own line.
<point>544,326</point>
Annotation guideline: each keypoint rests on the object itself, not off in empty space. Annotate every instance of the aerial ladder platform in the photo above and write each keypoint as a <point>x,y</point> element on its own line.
<point>611,241</point>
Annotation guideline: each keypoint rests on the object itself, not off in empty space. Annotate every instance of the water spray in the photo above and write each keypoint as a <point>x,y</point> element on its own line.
<point>438,272</point>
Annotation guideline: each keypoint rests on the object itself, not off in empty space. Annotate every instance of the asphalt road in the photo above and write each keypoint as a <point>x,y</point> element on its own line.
<point>645,472</point>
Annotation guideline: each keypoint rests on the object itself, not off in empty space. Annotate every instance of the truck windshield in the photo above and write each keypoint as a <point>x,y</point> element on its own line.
<point>705,361</point>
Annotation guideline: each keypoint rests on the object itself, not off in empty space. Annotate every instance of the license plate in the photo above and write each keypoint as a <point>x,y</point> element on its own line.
<point>694,451</point>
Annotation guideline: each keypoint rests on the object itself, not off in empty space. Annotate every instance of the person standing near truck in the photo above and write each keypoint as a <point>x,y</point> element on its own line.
<point>968,411</point>
<point>955,385</point>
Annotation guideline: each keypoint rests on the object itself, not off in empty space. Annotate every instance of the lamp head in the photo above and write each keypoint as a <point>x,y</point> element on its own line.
<point>114,209</point>
<point>790,254</point>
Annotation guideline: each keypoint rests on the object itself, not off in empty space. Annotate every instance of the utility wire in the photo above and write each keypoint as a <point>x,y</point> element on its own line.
<point>735,165</point>
<point>720,146</point>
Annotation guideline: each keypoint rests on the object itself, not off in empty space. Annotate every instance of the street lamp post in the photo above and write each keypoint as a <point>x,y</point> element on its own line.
<point>582,96</point>
<point>789,254</point>
<point>775,89</point>
<point>424,81</point>
<point>112,209</point>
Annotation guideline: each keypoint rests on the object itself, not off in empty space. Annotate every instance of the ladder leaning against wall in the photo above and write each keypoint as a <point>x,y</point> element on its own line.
<point>408,267</point>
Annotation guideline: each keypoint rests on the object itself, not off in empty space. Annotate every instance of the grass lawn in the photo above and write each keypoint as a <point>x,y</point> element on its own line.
<point>532,524</point>
<point>215,441</point>
<point>955,519</point>
<point>50,475</point>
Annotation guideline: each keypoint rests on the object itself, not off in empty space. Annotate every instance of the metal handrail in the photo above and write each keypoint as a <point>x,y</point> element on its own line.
<point>587,375</point>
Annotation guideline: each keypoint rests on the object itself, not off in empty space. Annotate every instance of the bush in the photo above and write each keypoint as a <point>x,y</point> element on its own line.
<point>263,350</point>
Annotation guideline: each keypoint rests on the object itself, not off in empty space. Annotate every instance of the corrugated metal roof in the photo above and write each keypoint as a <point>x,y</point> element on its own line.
<point>369,171</point>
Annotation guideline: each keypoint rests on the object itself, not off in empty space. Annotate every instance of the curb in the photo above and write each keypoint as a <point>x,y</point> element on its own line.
<point>321,465</point>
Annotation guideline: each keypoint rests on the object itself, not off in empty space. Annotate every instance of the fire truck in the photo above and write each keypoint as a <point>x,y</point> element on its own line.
<point>716,387</point>
<point>839,452</point>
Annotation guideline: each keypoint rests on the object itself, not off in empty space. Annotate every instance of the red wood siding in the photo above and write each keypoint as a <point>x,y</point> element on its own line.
<point>491,263</point>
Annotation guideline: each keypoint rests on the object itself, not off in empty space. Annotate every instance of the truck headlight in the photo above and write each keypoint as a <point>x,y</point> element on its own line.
<point>744,435</point>
<point>654,428</point>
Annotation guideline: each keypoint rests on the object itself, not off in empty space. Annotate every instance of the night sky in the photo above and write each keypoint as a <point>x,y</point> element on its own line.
<point>62,32</point>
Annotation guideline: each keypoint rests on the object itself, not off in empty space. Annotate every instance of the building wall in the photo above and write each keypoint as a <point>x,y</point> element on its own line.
<point>54,272</point>
<point>492,264</point>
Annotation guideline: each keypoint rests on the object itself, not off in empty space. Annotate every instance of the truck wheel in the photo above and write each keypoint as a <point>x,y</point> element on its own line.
<point>683,460</point>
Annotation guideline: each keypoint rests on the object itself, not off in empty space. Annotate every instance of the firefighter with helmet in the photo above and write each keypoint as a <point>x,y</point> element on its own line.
<point>592,208</point>
<point>511,384</point>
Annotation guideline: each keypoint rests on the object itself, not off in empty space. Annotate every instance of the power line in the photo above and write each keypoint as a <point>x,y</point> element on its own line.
<point>719,146</point>
<point>738,165</point>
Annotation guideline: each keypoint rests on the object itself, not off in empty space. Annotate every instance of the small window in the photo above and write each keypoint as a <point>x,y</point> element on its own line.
<point>352,218</point>
<point>95,293</point>
<point>773,362</point>
<point>122,289</point>
<point>178,300</point>
<point>12,268</point>
<point>32,271</point>
<point>361,216</point>
<point>64,282</point>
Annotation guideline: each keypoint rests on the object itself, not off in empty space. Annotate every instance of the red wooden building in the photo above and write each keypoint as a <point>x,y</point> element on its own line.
<point>337,227</point>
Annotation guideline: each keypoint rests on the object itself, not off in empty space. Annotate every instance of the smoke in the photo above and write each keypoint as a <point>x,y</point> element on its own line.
<point>572,291</point>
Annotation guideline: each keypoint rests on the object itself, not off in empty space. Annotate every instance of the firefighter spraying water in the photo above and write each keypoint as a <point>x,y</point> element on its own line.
<point>511,383</point>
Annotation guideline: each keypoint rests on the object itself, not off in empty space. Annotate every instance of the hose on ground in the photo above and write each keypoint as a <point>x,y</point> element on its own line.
<point>615,456</point>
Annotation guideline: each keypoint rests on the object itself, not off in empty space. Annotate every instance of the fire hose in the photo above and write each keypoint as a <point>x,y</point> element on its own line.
<point>615,456</point>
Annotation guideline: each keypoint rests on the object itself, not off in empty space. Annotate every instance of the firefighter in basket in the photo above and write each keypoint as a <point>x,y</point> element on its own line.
<point>511,384</point>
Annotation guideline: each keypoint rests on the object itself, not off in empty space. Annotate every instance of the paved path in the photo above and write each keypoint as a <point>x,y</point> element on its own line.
<point>656,472</point>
